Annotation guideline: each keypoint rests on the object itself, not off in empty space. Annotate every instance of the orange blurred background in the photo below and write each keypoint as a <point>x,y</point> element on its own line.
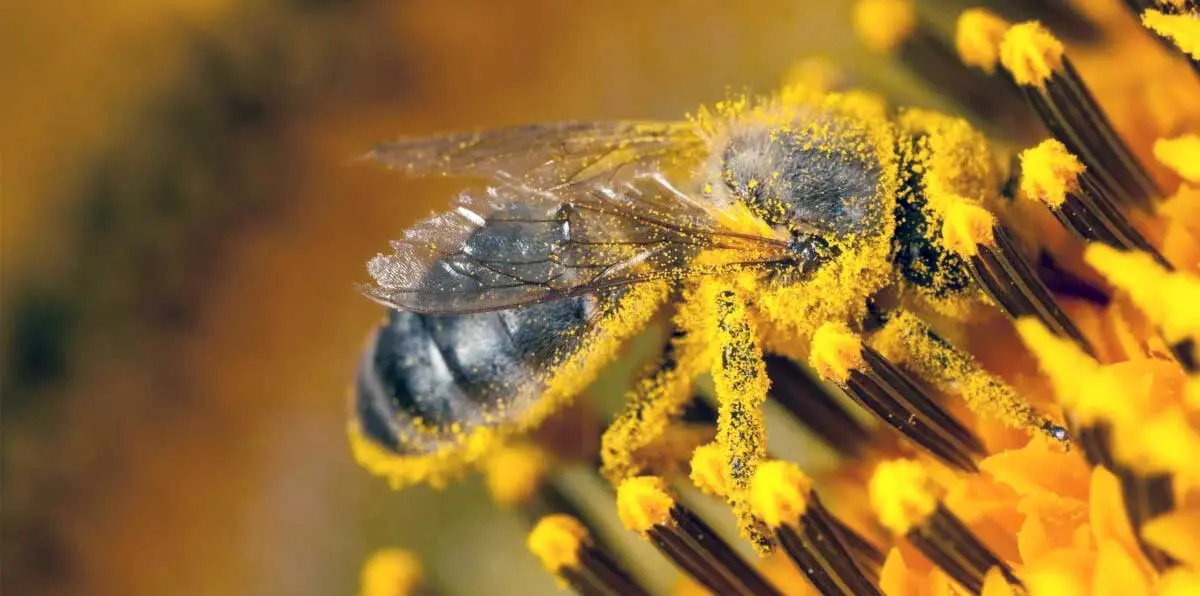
<point>182,230</point>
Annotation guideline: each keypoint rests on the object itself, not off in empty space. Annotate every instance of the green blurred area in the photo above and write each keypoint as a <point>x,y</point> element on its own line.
<point>181,232</point>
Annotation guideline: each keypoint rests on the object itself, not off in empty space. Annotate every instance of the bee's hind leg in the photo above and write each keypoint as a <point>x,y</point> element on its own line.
<point>907,340</point>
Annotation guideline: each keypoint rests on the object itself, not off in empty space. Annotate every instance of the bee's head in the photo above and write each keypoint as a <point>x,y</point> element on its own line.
<point>799,179</point>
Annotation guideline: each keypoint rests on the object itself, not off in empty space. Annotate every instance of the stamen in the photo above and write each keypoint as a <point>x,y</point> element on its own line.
<point>565,548</point>
<point>1181,154</point>
<point>1147,496</point>
<point>392,572</point>
<point>977,38</point>
<point>840,357</point>
<point>893,26</point>
<point>1000,269</point>
<point>1181,29</point>
<point>1054,177</point>
<point>1038,63</point>
<point>514,473</point>
<point>645,507</point>
<point>782,496</point>
<point>813,406</point>
<point>907,502</point>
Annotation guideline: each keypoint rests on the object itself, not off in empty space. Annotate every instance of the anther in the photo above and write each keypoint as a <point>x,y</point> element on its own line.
<point>1000,269</point>
<point>908,503</point>
<point>822,547</point>
<point>645,507</point>
<point>565,548</point>
<point>1039,65</point>
<point>1174,25</point>
<point>895,27</point>
<point>393,572</point>
<point>878,385</point>
<point>1054,177</point>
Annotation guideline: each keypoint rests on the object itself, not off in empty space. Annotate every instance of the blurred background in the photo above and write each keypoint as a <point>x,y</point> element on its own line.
<point>182,231</point>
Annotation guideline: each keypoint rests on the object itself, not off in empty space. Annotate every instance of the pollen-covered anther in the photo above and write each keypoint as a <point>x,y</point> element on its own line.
<point>390,572</point>
<point>1000,269</point>
<point>882,388</point>
<point>884,24</point>
<point>895,27</point>
<point>821,547</point>
<point>907,502</point>
<point>565,549</point>
<point>514,473</point>
<point>1037,62</point>
<point>1181,154</point>
<point>645,506</point>
<point>707,470</point>
<point>1050,174</point>
<point>1181,29</point>
<point>977,38</point>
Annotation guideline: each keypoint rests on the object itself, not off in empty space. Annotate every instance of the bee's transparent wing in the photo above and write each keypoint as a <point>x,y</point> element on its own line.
<point>512,245</point>
<point>542,155</point>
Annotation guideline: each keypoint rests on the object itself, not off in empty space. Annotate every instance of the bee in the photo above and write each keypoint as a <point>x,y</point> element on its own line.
<point>766,228</point>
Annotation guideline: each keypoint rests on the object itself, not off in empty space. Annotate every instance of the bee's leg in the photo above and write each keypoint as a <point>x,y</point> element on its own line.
<point>647,426</point>
<point>907,340</point>
<point>841,357</point>
<point>740,382</point>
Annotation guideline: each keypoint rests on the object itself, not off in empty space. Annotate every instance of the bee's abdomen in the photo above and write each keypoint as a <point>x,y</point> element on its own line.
<point>466,370</point>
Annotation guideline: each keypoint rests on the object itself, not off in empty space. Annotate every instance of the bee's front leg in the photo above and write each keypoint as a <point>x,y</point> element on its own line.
<point>740,380</point>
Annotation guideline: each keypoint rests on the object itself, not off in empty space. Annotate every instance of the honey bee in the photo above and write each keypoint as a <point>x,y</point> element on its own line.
<point>775,227</point>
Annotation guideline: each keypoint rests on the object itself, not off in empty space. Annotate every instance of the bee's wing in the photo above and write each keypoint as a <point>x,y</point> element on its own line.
<point>541,154</point>
<point>513,245</point>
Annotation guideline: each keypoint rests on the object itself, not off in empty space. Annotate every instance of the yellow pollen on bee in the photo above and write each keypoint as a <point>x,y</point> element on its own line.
<point>556,541</point>
<point>1168,299</point>
<point>977,38</point>
<point>836,352</point>
<point>708,470</point>
<point>390,572</point>
<point>779,493</point>
<point>1181,154</point>
<point>1183,29</point>
<point>1031,53</point>
<point>884,24</point>
<point>902,495</point>
<point>967,226</point>
<point>1049,173</point>
<point>643,503</point>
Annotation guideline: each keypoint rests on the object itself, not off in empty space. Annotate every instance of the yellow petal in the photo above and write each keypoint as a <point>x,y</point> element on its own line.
<point>1061,573</point>
<point>1117,573</point>
<point>1039,468</point>
<point>895,579</point>
<point>1177,533</point>
<point>1179,582</point>
<point>994,584</point>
